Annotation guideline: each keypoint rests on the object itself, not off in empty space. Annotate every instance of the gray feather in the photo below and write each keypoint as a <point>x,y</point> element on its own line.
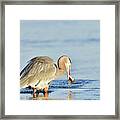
<point>38,68</point>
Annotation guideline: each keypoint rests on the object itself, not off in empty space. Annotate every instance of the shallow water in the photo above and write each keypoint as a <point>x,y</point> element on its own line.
<point>61,90</point>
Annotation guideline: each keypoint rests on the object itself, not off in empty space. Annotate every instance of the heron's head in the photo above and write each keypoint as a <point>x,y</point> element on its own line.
<point>64,63</point>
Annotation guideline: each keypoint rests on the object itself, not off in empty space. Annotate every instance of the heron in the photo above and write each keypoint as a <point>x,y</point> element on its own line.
<point>41,70</point>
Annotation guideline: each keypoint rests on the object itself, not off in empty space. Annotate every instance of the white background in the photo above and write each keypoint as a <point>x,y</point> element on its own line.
<point>106,15</point>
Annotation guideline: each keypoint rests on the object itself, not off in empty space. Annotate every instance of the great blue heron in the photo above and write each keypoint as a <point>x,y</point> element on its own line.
<point>40,71</point>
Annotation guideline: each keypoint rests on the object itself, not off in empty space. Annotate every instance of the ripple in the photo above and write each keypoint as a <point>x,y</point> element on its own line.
<point>63,84</point>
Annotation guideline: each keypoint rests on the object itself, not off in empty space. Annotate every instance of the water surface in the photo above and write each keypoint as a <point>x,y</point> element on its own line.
<point>61,90</point>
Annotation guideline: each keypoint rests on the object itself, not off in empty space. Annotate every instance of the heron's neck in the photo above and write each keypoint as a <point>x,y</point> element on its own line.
<point>60,72</point>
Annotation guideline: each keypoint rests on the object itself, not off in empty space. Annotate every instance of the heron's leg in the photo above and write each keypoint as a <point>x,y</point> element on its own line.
<point>46,89</point>
<point>37,91</point>
<point>34,92</point>
<point>46,92</point>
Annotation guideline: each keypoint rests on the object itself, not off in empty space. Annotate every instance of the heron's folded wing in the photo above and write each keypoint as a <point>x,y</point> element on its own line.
<point>29,74</point>
<point>32,65</point>
<point>26,70</point>
<point>39,68</point>
<point>43,72</point>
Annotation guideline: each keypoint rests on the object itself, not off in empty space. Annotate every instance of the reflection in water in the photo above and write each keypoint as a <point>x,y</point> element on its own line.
<point>46,96</point>
<point>40,97</point>
<point>69,97</point>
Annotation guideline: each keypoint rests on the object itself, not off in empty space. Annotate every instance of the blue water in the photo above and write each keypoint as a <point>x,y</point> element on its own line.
<point>61,90</point>
<point>79,39</point>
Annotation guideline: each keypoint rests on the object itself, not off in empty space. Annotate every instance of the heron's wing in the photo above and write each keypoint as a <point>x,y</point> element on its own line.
<point>39,68</point>
<point>33,62</point>
<point>26,70</point>
<point>43,72</point>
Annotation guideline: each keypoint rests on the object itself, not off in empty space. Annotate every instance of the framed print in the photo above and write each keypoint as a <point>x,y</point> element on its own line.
<point>60,59</point>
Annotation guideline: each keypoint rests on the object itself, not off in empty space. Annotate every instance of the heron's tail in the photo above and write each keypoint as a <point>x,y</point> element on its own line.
<point>23,83</point>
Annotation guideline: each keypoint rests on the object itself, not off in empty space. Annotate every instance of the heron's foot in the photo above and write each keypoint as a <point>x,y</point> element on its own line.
<point>45,93</point>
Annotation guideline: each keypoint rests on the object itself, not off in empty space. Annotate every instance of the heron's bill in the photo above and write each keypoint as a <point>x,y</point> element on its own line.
<point>70,79</point>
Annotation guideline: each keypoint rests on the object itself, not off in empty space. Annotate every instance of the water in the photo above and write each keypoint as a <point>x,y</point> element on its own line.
<point>79,39</point>
<point>60,90</point>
